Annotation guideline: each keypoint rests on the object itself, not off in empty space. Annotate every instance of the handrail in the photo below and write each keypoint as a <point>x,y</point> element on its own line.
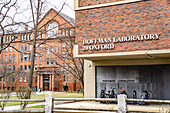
<point>22,100</point>
<point>84,99</point>
<point>148,100</point>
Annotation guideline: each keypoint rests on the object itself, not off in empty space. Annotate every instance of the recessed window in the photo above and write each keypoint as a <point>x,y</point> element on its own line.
<point>47,61</point>
<point>40,56</point>
<point>9,58</point>
<point>25,57</point>
<point>21,57</point>
<point>6,58</point>
<point>14,49</point>
<point>47,50</point>
<point>21,47</point>
<point>51,61</point>
<point>25,47</point>
<point>52,30</point>
<point>13,58</point>
<point>63,55</point>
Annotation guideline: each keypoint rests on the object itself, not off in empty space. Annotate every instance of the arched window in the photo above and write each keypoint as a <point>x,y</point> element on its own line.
<point>52,30</point>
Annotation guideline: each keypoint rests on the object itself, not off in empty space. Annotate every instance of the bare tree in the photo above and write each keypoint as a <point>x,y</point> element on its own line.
<point>36,8</point>
<point>69,65</point>
<point>9,9</point>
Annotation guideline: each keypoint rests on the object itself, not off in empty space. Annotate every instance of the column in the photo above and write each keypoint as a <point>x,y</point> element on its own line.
<point>53,82</point>
<point>50,84</point>
<point>41,83</point>
<point>38,81</point>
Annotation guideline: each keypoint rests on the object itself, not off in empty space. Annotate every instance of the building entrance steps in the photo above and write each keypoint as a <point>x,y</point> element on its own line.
<point>97,106</point>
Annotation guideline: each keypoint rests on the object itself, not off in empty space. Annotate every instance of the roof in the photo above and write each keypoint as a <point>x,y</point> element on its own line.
<point>66,17</point>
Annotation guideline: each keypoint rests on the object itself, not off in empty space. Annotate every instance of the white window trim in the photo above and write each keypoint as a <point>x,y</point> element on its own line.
<point>76,4</point>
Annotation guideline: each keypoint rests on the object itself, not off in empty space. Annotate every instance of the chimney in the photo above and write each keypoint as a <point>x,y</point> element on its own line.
<point>26,27</point>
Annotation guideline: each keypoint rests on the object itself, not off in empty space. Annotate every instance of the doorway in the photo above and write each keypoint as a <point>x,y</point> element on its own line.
<point>46,81</point>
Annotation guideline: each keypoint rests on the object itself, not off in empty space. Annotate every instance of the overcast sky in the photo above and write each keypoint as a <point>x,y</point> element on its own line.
<point>24,8</point>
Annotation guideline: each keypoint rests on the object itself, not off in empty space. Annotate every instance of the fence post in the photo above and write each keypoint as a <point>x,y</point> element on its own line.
<point>49,103</point>
<point>122,105</point>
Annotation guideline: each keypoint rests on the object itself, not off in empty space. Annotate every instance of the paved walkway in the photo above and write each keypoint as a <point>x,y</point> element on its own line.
<point>97,106</point>
<point>18,106</point>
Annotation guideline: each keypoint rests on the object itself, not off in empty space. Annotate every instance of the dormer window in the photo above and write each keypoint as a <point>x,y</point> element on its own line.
<point>52,30</point>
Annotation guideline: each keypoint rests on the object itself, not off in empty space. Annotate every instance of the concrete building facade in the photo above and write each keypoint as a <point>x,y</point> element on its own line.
<point>125,44</point>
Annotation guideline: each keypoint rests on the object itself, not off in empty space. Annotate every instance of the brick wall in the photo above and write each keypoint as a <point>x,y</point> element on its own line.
<point>83,3</point>
<point>139,18</point>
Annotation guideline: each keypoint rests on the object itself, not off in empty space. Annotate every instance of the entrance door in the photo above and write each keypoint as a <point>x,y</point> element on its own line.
<point>46,81</point>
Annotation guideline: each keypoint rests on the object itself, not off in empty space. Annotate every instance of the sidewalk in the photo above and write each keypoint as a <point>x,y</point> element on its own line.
<point>97,106</point>
<point>18,106</point>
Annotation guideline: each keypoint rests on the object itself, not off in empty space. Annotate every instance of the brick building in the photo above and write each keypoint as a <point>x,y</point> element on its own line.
<point>57,34</point>
<point>125,44</point>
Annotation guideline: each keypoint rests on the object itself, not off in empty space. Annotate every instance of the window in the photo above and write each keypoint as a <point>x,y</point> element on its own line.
<point>27,37</point>
<point>21,47</point>
<point>13,79</point>
<point>56,61</point>
<point>29,58</point>
<point>47,61</point>
<point>40,56</point>
<point>56,49</point>
<point>29,67</point>
<point>6,58</point>
<point>68,43</point>
<point>14,49</point>
<point>21,57</point>
<point>36,56</point>
<point>68,55</point>
<point>38,36</point>
<point>51,61</point>
<point>64,44</point>
<point>25,67</point>
<point>21,37</point>
<point>40,65</point>
<point>10,49</point>
<point>9,58</point>
<point>13,58</point>
<point>66,32</point>
<point>30,37</point>
<point>4,79</point>
<point>20,78</point>
<point>63,67</point>
<point>29,47</point>
<point>70,32</point>
<point>9,79</point>
<point>52,50</point>
<point>52,30</point>
<point>35,66</point>
<point>63,55</point>
<point>25,47</point>
<point>13,67</point>
<point>62,33</point>
<point>9,39</point>
<point>47,50</point>
<point>6,39</point>
<point>21,68</point>
<point>41,35</point>
<point>6,50</point>
<point>24,37</point>
<point>40,47</point>
<point>9,68</point>
<point>25,57</point>
<point>15,38</point>
<point>25,78</point>
<point>68,66</point>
